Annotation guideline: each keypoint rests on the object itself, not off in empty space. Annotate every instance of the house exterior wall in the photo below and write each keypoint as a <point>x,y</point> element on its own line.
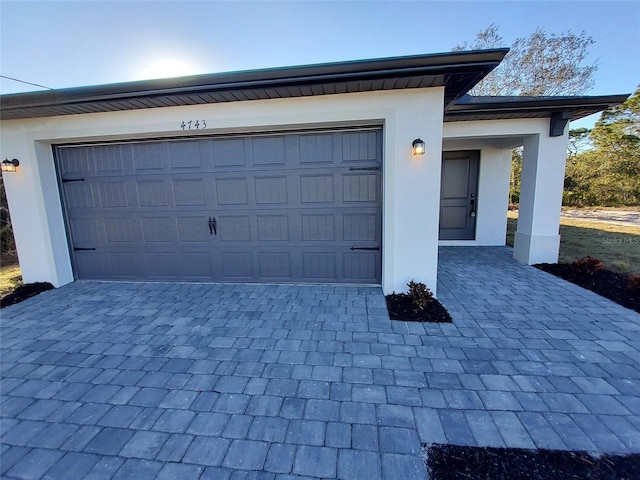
<point>411,185</point>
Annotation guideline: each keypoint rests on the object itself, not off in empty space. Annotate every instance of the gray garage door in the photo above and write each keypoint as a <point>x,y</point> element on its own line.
<point>302,207</point>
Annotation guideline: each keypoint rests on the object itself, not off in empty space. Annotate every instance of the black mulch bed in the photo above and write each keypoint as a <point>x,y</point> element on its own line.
<point>451,462</point>
<point>401,307</point>
<point>25,291</point>
<point>606,283</point>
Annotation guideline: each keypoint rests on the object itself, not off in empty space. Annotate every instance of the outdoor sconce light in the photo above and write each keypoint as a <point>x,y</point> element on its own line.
<point>418,147</point>
<point>10,165</point>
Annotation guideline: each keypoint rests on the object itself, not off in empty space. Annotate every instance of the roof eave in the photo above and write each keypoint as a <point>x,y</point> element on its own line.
<point>469,67</point>
<point>543,107</point>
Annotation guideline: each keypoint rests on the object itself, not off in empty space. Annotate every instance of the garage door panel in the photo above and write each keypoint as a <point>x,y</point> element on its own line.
<point>316,148</point>
<point>148,157</point>
<point>162,266</point>
<point>271,190</point>
<point>360,187</point>
<point>125,265</point>
<point>269,208</point>
<point>150,193</point>
<point>317,188</point>
<point>237,266</point>
<point>234,228</point>
<point>159,229</point>
<point>114,195</point>
<point>82,195</point>
<point>360,146</point>
<point>196,265</point>
<point>321,266</point>
<point>91,264</point>
<point>273,228</point>
<point>360,227</point>
<point>269,151</point>
<point>78,160</point>
<point>193,229</point>
<point>188,155</point>
<point>120,230</point>
<point>229,152</point>
<point>110,160</point>
<point>87,230</point>
<point>318,228</point>
<point>361,267</point>
<point>189,192</point>
<point>232,191</point>
<point>275,265</point>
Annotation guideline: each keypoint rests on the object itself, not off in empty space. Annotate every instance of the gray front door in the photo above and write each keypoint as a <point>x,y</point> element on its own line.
<point>459,195</point>
<point>302,207</point>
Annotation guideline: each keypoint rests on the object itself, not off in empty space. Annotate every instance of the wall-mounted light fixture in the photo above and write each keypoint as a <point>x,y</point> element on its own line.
<point>418,147</point>
<point>9,165</point>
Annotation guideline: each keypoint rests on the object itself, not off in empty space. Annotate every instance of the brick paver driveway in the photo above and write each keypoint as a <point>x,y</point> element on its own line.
<point>130,380</point>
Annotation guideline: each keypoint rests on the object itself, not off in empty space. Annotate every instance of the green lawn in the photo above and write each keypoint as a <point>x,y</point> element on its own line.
<point>618,247</point>
<point>10,278</point>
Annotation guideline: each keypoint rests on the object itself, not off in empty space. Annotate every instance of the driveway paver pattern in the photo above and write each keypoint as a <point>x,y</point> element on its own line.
<point>553,365</point>
<point>157,380</point>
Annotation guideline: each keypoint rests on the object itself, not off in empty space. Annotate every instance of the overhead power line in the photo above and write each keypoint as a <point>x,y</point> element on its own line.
<point>28,83</point>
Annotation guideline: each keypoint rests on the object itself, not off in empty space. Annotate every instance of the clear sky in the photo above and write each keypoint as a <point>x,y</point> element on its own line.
<point>72,43</point>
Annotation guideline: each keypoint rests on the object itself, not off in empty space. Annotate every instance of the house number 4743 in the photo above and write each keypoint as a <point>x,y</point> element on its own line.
<point>193,125</point>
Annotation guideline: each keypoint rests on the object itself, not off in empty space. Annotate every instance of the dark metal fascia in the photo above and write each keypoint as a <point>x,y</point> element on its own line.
<point>562,103</point>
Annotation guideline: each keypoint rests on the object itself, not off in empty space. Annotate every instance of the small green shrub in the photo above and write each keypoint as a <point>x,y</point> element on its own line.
<point>621,266</point>
<point>420,294</point>
<point>588,265</point>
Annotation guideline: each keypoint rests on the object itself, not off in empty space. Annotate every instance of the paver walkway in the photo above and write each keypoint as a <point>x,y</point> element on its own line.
<point>132,380</point>
<point>541,362</point>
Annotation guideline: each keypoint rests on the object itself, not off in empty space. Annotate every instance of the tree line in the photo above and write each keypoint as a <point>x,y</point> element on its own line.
<point>603,164</point>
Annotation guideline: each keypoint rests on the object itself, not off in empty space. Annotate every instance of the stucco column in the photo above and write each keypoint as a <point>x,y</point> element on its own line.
<point>537,239</point>
<point>412,191</point>
<point>34,203</point>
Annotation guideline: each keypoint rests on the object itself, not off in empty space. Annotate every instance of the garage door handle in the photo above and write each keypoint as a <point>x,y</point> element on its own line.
<point>364,248</point>
<point>213,226</point>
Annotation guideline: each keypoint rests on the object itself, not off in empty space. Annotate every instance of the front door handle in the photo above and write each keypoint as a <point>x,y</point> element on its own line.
<point>213,226</point>
<point>473,205</point>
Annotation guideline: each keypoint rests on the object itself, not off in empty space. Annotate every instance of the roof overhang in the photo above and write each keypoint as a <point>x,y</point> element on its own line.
<point>457,72</point>
<point>558,109</point>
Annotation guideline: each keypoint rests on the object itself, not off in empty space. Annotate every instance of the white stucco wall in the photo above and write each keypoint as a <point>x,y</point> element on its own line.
<point>411,185</point>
